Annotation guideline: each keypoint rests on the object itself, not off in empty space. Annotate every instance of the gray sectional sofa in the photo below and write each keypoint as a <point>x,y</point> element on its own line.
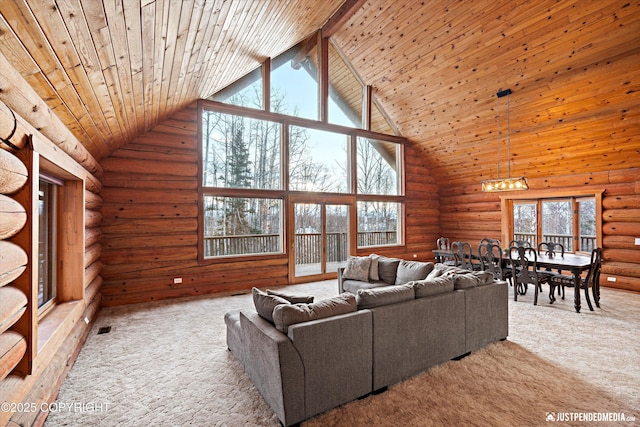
<point>306,358</point>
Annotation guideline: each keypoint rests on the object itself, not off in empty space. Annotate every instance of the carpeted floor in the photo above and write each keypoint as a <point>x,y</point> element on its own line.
<point>166,364</point>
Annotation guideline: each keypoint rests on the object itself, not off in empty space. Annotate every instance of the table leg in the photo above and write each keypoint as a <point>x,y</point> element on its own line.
<point>576,287</point>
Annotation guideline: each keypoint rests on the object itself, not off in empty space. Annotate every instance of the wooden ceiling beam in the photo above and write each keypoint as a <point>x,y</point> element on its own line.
<point>342,15</point>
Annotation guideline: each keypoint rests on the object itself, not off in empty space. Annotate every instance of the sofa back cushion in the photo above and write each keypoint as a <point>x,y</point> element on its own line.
<point>285,315</point>
<point>369,298</point>
<point>432,286</point>
<point>409,271</point>
<point>265,303</point>
<point>293,299</point>
<point>469,279</point>
<point>387,269</point>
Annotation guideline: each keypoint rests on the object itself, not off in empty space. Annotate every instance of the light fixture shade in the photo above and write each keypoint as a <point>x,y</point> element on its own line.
<point>505,184</point>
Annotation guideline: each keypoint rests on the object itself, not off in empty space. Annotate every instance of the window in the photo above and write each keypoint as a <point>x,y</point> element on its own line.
<point>378,223</point>
<point>242,226</point>
<point>294,87</point>
<point>47,238</point>
<point>318,161</point>
<point>240,152</point>
<point>572,221</point>
<point>378,167</point>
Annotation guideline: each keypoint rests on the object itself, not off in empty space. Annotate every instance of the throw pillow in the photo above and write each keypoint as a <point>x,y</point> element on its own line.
<point>387,269</point>
<point>412,270</point>
<point>369,298</point>
<point>357,268</point>
<point>265,303</point>
<point>463,280</point>
<point>484,277</point>
<point>433,286</point>
<point>291,314</point>
<point>374,275</point>
<point>293,299</point>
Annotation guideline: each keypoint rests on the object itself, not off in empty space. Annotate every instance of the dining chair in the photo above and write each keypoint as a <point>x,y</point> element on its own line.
<point>463,257</point>
<point>550,249</point>
<point>490,240</point>
<point>443,244</point>
<point>520,243</point>
<point>524,268</point>
<point>490,255</point>
<point>592,280</point>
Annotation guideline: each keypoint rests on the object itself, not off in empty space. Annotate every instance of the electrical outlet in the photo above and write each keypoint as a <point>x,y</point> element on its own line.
<point>177,280</point>
<point>611,279</point>
<point>638,241</point>
<point>415,255</point>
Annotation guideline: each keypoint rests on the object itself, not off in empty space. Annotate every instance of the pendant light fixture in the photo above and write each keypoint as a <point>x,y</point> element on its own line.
<point>505,184</point>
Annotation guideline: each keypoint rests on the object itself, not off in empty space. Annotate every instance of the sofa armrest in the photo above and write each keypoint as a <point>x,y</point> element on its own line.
<point>274,366</point>
<point>340,280</point>
<point>487,314</point>
<point>337,353</point>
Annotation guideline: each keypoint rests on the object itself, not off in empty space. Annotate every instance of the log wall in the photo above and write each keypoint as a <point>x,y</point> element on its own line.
<point>467,214</point>
<point>35,354</point>
<point>150,224</point>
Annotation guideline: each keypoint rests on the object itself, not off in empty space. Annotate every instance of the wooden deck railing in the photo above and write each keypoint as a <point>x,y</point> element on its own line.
<point>587,243</point>
<point>308,246</point>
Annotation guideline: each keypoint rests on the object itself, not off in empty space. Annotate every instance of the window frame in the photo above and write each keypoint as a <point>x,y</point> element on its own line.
<point>286,193</point>
<point>506,208</point>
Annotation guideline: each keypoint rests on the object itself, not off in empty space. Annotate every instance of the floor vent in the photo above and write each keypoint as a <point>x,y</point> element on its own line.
<point>104,330</point>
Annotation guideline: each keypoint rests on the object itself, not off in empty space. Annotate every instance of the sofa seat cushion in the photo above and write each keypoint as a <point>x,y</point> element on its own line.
<point>433,286</point>
<point>385,295</point>
<point>285,315</point>
<point>353,286</point>
<point>409,271</point>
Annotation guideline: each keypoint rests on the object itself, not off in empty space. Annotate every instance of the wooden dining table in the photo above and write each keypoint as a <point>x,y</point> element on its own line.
<point>576,264</point>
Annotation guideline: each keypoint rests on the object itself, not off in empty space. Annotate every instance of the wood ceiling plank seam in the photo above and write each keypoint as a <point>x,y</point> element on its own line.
<point>86,50</point>
<point>117,30</point>
<point>237,34</point>
<point>54,29</point>
<point>186,14</point>
<point>190,45</point>
<point>202,66</point>
<point>147,23</point>
<point>34,42</point>
<point>211,64</point>
<point>170,40</point>
<point>194,70</point>
<point>106,55</point>
<point>132,18</point>
<point>160,33</point>
<point>226,71</point>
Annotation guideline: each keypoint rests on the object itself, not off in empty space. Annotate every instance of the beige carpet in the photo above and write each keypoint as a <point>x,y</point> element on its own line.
<point>166,364</point>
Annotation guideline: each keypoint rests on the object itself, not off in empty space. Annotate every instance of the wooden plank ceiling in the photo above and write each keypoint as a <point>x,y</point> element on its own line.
<point>112,69</point>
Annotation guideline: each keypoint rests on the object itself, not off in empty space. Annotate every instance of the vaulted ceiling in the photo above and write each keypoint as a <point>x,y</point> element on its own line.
<point>112,69</point>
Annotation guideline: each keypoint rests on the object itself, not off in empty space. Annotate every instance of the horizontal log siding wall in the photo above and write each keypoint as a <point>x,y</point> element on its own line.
<point>150,224</point>
<point>467,214</point>
<point>55,359</point>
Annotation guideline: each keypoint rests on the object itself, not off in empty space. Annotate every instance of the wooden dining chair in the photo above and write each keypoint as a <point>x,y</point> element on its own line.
<point>520,244</point>
<point>443,244</point>
<point>463,256</point>
<point>490,255</point>
<point>591,281</point>
<point>550,249</point>
<point>524,268</point>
